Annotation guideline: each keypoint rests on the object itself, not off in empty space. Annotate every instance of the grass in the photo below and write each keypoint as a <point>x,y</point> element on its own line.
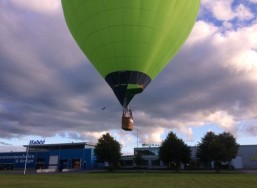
<point>129,180</point>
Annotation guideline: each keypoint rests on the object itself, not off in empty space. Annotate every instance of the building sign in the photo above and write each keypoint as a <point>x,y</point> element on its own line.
<point>150,145</point>
<point>17,158</point>
<point>36,142</point>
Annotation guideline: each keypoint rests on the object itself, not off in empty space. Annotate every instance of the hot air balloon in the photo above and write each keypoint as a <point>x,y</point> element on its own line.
<point>130,41</point>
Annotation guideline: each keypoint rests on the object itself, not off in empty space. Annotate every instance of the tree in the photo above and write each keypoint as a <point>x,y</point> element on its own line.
<point>225,149</point>
<point>108,150</point>
<point>204,148</point>
<point>138,159</point>
<point>218,148</point>
<point>174,151</point>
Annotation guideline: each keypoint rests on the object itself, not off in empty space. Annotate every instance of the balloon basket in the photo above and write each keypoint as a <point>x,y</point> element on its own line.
<point>127,121</point>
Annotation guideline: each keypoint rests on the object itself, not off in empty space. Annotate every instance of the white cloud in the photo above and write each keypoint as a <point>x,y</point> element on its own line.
<point>223,119</point>
<point>188,132</point>
<point>41,6</point>
<point>243,13</point>
<point>235,49</point>
<point>201,32</point>
<point>224,11</point>
<point>92,136</point>
<point>151,135</point>
<point>242,44</point>
<point>227,25</point>
<point>221,9</point>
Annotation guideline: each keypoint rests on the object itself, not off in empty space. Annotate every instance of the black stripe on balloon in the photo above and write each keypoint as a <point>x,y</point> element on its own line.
<point>120,80</point>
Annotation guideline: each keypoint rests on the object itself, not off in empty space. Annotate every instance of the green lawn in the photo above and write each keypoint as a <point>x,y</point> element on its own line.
<point>129,180</point>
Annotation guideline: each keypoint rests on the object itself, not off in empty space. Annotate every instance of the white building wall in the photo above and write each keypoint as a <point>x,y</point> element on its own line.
<point>238,162</point>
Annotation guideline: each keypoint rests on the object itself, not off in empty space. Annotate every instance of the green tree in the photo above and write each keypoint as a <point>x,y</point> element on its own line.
<point>173,151</point>
<point>217,148</point>
<point>108,150</point>
<point>138,159</point>
<point>225,149</point>
<point>205,151</point>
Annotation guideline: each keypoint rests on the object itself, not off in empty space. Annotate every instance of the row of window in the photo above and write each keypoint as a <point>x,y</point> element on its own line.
<point>131,163</point>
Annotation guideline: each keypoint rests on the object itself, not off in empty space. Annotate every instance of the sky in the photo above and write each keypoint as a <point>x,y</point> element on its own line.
<point>50,91</point>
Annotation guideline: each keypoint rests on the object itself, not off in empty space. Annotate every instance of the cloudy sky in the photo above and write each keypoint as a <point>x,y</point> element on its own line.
<point>49,90</point>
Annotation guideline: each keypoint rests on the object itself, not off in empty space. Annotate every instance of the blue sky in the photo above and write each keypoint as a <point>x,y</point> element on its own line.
<point>49,90</point>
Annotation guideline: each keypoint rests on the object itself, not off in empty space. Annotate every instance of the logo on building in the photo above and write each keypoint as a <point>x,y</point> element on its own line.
<point>35,142</point>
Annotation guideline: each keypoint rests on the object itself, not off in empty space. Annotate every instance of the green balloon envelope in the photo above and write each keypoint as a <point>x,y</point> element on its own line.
<point>130,41</point>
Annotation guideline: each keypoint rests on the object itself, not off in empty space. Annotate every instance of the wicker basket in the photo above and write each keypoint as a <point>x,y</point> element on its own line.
<point>127,123</point>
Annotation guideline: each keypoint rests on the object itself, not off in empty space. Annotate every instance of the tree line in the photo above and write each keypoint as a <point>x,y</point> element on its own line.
<point>174,152</point>
<point>213,149</point>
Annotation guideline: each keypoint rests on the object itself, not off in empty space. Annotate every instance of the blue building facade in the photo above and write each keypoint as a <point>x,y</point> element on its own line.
<point>51,156</point>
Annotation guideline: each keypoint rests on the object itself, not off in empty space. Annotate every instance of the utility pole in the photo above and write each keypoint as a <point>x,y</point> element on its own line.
<point>137,137</point>
<point>26,159</point>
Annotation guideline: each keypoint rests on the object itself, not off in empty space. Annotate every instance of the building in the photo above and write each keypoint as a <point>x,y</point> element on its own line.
<point>51,157</point>
<point>70,156</point>
<point>245,159</point>
<point>150,158</point>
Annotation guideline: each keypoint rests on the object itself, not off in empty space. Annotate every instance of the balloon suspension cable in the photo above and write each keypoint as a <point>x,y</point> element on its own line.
<point>127,112</point>
<point>125,105</point>
<point>126,108</point>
